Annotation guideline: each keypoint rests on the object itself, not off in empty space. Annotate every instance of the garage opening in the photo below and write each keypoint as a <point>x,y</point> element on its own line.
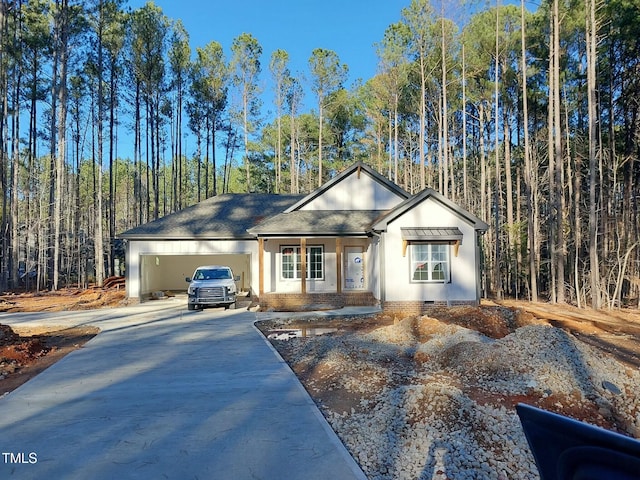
<point>167,272</point>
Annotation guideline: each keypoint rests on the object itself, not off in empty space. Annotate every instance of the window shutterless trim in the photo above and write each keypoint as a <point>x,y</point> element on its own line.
<point>314,265</point>
<point>429,263</point>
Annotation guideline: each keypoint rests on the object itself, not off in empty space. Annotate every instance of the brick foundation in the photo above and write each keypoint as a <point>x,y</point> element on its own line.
<point>321,301</point>
<point>315,301</point>
<point>421,307</point>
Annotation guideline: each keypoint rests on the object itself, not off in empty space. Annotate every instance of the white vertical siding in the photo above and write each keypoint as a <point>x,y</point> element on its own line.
<point>399,286</point>
<point>353,193</point>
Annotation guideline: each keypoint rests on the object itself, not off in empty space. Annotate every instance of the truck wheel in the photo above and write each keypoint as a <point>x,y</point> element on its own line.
<point>232,306</point>
<point>191,306</point>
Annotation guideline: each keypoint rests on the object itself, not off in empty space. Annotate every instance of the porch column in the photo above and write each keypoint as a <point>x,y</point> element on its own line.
<point>339,264</point>
<point>303,265</point>
<point>260,267</point>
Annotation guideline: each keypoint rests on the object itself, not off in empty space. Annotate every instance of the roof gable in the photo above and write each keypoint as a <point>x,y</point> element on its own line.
<point>428,194</point>
<point>359,187</point>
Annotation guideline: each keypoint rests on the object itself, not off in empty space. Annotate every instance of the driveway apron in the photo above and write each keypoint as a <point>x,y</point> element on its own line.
<point>166,393</point>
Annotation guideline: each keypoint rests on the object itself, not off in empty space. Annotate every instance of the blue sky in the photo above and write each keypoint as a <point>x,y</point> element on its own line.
<point>348,27</point>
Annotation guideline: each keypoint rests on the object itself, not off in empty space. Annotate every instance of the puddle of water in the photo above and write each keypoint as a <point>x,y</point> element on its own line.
<point>289,333</point>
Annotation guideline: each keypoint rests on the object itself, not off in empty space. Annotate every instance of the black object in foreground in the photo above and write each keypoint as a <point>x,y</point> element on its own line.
<point>566,449</point>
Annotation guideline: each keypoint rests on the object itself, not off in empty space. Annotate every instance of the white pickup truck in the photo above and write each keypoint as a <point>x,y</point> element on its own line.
<point>212,286</point>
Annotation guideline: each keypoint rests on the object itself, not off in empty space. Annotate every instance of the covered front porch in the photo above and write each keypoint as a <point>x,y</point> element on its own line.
<point>338,271</point>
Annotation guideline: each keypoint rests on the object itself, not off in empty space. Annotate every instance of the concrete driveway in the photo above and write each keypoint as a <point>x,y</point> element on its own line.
<point>166,393</point>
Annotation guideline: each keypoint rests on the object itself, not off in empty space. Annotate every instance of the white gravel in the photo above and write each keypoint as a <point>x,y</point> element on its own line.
<point>443,408</point>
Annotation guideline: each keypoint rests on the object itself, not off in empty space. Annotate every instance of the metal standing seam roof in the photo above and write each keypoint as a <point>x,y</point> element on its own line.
<point>443,234</point>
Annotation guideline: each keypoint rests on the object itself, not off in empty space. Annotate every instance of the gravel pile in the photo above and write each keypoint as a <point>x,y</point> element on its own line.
<point>422,399</point>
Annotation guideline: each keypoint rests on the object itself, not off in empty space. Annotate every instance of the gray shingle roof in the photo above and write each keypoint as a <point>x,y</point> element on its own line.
<point>318,222</point>
<point>225,216</point>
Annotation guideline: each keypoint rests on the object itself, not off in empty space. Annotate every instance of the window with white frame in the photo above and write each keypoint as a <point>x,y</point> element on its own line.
<point>430,262</point>
<point>291,262</point>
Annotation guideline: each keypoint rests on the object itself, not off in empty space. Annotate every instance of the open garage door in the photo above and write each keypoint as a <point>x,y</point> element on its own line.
<point>167,272</point>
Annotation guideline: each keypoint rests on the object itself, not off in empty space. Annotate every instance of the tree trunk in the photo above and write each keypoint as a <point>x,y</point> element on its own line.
<point>279,143</point>
<point>423,119</point>
<point>207,145</point>
<point>591,40</point>
<point>445,114</point>
<point>511,237</point>
<point>179,190</point>
<point>529,174</point>
<point>214,181</point>
<point>552,160</point>
<point>199,167</point>
<point>465,186</point>
<point>498,187</point>
<point>483,164</point>
<point>14,258</point>
<point>395,138</point>
<point>245,123</point>
<point>51,248</point>
<point>4,138</point>
<point>112,175</point>
<point>320,115</point>
<point>293,172</point>
<point>559,252</point>
<point>12,267</point>
<point>99,234</point>
<point>390,142</point>
<point>63,53</point>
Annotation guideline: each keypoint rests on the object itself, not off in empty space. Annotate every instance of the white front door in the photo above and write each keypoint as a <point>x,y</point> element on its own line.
<point>354,268</point>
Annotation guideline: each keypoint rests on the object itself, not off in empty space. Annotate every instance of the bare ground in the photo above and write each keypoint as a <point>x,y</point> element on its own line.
<point>433,396</point>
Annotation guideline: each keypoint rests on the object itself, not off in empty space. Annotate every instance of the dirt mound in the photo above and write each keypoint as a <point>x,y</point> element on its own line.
<point>22,351</point>
<point>7,335</point>
<point>494,322</point>
<point>61,300</point>
<point>17,352</point>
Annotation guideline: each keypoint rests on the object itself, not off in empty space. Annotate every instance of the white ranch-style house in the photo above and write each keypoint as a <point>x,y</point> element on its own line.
<point>359,239</point>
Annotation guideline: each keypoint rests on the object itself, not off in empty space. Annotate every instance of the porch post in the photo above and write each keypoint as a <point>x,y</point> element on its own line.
<point>339,264</point>
<point>260,267</point>
<point>303,265</point>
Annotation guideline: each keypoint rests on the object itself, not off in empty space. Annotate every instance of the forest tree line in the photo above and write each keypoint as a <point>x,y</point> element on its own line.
<point>528,119</point>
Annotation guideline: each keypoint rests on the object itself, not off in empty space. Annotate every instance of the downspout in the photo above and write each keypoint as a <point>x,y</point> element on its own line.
<point>381,266</point>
